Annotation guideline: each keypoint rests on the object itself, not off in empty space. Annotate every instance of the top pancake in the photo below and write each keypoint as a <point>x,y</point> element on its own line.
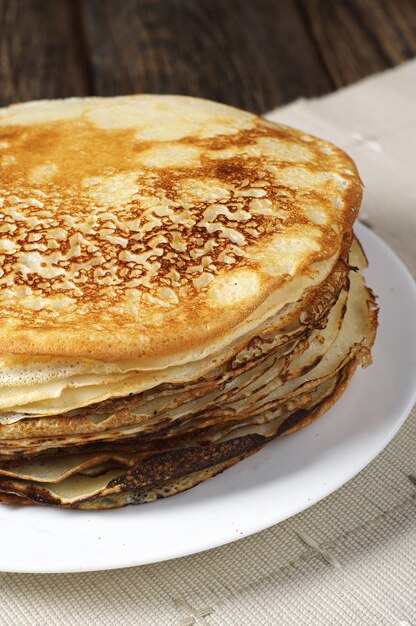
<point>152,227</point>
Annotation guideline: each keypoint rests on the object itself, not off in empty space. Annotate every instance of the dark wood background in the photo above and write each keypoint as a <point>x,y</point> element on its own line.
<point>256,54</point>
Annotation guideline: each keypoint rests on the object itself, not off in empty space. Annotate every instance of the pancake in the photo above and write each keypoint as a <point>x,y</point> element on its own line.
<point>131,250</point>
<point>160,475</point>
<point>171,300</point>
<point>226,384</point>
<point>62,393</point>
<point>270,413</point>
<point>267,340</point>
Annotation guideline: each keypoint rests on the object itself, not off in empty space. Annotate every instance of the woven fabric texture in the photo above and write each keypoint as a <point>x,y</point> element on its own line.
<point>350,559</point>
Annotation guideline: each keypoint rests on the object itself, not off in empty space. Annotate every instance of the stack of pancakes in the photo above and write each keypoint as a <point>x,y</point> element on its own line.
<point>179,285</point>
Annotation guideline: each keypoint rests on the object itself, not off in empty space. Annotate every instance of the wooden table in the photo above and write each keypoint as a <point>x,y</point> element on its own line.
<point>256,54</point>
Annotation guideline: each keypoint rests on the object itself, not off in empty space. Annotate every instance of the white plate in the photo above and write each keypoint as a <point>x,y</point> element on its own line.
<point>284,478</point>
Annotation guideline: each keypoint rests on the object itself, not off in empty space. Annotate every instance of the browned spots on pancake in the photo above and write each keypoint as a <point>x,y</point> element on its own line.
<point>86,245</point>
<point>48,174</point>
<point>127,236</point>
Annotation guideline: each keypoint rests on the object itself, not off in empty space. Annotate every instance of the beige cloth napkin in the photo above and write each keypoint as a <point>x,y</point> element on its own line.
<point>348,560</point>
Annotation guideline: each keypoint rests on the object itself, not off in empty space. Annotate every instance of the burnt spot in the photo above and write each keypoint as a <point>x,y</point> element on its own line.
<point>177,463</point>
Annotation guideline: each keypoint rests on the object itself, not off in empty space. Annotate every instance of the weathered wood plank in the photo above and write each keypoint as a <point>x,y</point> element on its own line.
<point>361,37</point>
<point>41,50</point>
<point>251,54</point>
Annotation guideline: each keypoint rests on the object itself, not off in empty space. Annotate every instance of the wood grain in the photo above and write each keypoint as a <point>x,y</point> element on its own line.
<point>361,37</point>
<point>251,54</point>
<point>256,54</point>
<point>41,52</point>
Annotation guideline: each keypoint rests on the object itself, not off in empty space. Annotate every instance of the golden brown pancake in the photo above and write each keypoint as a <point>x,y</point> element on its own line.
<point>155,228</point>
<point>179,286</point>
